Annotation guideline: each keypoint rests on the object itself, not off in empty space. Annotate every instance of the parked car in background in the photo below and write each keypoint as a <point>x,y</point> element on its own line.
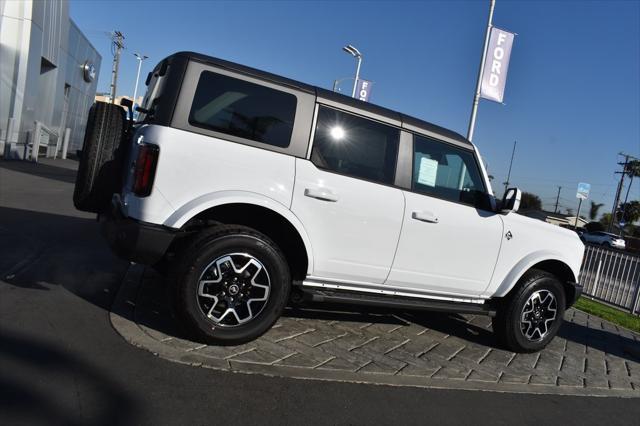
<point>603,239</point>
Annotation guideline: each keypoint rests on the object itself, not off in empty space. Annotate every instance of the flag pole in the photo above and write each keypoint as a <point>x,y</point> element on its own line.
<point>476,98</point>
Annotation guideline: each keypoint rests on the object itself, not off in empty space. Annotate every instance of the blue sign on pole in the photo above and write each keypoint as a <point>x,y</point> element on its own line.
<point>363,90</point>
<point>583,190</point>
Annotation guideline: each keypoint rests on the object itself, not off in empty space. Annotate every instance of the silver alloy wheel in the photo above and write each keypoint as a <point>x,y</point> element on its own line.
<point>233,289</point>
<point>538,314</point>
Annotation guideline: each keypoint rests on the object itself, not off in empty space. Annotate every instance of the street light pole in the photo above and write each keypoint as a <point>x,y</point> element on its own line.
<point>355,82</point>
<point>476,98</point>
<point>356,54</point>
<point>140,59</point>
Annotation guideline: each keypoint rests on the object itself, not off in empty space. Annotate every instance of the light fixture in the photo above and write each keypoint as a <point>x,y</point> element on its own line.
<point>352,50</point>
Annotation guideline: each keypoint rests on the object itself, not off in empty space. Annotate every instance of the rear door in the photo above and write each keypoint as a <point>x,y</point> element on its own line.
<point>345,199</point>
<point>450,240</point>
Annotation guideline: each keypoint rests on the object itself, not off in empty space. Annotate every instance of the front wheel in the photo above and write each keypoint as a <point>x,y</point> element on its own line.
<point>532,316</point>
<point>232,284</point>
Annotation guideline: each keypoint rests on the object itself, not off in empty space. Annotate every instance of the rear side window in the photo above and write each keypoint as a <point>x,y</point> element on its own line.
<point>243,109</point>
<point>355,146</point>
<point>447,172</point>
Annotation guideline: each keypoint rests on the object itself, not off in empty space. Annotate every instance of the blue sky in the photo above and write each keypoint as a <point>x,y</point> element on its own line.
<point>572,99</point>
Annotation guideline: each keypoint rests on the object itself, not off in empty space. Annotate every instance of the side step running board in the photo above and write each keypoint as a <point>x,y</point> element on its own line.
<point>355,298</point>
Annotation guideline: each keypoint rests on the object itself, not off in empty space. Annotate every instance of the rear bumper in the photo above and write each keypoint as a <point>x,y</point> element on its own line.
<point>133,240</point>
<point>574,295</point>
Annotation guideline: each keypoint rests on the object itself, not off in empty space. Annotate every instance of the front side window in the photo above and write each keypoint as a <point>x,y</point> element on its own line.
<point>240,108</point>
<point>355,146</point>
<point>446,172</point>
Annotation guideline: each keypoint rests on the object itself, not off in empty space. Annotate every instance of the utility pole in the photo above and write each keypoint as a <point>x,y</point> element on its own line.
<point>555,210</point>
<point>506,184</point>
<point>476,98</point>
<point>626,197</point>
<point>618,190</point>
<point>117,40</point>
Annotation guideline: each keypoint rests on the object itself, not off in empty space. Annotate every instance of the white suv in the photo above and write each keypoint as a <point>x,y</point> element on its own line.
<point>606,239</point>
<point>251,189</point>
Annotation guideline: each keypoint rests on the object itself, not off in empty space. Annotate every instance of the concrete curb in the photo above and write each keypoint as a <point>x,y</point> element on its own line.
<point>122,318</point>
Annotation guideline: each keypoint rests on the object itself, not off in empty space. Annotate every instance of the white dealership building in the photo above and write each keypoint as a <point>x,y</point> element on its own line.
<point>48,77</point>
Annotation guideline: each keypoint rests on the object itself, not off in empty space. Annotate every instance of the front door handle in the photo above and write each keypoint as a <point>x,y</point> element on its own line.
<point>323,194</point>
<point>424,216</point>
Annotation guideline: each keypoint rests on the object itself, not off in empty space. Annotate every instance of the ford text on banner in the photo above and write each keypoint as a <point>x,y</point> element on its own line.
<point>496,65</point>
<point>363,90</point>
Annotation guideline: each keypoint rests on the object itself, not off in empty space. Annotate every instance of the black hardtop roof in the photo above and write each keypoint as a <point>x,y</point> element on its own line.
<point>326,94</point>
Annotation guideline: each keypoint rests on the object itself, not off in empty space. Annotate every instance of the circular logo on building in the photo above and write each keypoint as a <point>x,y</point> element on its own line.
<point>88,72</point>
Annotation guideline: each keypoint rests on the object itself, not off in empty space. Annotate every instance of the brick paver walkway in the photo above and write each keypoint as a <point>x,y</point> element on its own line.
<point>589,356</point>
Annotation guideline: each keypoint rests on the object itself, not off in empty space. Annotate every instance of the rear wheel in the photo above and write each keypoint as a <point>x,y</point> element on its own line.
<point>532,316</point>
<point>102,159</point>
<point>231,284</point>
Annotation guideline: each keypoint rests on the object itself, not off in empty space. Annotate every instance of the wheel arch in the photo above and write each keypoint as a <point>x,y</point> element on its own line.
<point>256,211</point>
<point>548,263</point>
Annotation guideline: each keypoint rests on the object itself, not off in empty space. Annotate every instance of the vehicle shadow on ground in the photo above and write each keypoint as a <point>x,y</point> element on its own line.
<point>29,400</point>
<point>41,250</point>
<point>475,330</point>
<point>602,340</point>
<point>446,323</point>
<point>41,169</point>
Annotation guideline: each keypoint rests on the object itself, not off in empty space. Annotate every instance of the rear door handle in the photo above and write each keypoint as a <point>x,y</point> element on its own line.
<point>424,216</point>
<point>323,194</point>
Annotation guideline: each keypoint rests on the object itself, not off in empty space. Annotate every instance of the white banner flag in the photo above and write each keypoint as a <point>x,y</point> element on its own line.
<point>496,65</point>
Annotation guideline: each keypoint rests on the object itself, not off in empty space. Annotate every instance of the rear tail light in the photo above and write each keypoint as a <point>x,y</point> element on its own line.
<point>145,169</point>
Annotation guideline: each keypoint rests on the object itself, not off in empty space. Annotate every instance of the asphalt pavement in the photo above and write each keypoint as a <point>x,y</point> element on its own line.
<point>61,362</point>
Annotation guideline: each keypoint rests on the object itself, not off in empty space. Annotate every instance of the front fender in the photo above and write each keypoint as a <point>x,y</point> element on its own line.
<point>526,263</point>
<point>189,210</point>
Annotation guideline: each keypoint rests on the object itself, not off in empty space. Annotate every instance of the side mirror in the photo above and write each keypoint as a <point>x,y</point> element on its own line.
<point>511,200</point>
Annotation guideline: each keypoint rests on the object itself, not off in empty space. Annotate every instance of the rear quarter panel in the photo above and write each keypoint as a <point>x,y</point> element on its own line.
<point>194,167</point>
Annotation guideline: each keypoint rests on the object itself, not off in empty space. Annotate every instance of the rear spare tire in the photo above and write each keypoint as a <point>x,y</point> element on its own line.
<point>102,159</point>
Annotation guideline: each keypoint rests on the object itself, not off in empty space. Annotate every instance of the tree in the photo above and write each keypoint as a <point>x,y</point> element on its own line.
<point>631,211</point>
<point>594,226</point>
<point>569,211</point>
<point>593,210</point>
<point>605,219</point>
<point>633,169</point>
<point>530,201</point>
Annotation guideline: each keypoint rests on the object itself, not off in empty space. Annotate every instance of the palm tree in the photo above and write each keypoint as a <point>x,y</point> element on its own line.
<point>632,168</point>
<point>593,210</point>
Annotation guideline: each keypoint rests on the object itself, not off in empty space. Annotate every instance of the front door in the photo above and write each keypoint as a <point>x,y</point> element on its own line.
<point>344,198</point>
<point>450,240</point>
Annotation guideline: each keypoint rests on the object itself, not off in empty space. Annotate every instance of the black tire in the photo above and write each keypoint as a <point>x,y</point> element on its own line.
<point>196,259</point>
<point>101,163</point>
<point>507,323</point>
